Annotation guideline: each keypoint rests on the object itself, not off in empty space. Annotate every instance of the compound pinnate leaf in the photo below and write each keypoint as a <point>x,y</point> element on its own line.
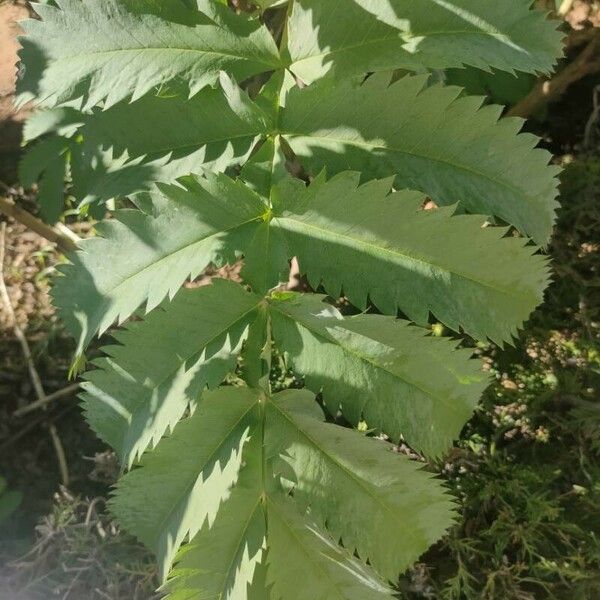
<point>252,494</point>
<point>219,126</point>
<point>163,363</point>
<point>118,49</point>
<point>380,369</point>
<point>357,36</point>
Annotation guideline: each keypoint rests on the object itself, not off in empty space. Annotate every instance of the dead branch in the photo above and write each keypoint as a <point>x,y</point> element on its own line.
<point>547,90</point>
<point>60,454</point>
<point>565,7</point>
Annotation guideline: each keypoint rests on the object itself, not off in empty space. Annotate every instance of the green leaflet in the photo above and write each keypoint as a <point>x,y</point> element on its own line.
<point>222,123</point>
<point>358,487</point>
<point>353,37</point>
<point>306,564</point>
<point>215,130</point>
<point>366,243</point>
<point>45,164</point>
<point>431,140</point>
<point>182,485</point>
<point>220,561</point>
<point>121,156</point>
<point>139,258</point>
<point>117,49</point>
<point>380,369</point>
<point>162,365</point>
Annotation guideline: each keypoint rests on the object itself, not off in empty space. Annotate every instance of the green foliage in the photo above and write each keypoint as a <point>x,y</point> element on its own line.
<point>242,492</point>
<point>359,362</point>
<point>143,388</point>
<point>369,35</point>
<point>137,46</point>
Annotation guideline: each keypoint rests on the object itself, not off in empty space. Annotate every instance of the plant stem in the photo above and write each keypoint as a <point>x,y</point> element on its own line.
<point>9,208</point>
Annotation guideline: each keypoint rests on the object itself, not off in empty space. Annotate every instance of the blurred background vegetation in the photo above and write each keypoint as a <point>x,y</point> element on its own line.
<point>526,471</point>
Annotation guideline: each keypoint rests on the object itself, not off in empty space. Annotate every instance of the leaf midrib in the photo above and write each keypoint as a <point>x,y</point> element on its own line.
<point>108,294</point>
<point>365,486</point>
<point>82,55</point>
<point>370,147</point>
<point>366,359</point>
<point>378,249</point>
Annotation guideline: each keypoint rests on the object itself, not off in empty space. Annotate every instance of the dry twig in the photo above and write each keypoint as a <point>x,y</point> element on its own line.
<point>9,208</point>
<point>593,120</point>
<point>70,389</point>
<point>565,7</point>
<point>60,454</point>
<point>33,374</point>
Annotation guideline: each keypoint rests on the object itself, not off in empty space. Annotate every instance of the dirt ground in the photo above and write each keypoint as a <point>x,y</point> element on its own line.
<point>10,121</point>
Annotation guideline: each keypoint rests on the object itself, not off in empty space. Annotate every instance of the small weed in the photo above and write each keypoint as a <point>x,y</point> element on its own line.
<point>80,553</point>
